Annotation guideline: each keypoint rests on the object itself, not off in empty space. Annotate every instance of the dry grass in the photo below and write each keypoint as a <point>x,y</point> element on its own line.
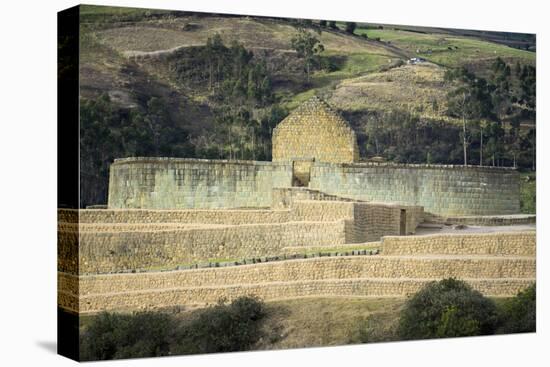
<point>417,88</point>
<point>165,34</point>
<point>314,322</point>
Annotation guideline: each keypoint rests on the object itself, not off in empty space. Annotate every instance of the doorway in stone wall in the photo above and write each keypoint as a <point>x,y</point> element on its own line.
<point>301,172</point>
<point>402,222</point>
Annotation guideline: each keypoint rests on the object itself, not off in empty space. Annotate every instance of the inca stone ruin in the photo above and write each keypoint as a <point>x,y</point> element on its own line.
<point>313,222</point>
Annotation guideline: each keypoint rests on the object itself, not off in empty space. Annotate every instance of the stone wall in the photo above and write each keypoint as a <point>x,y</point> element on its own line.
<point>497,264</point>
<point>342,276</point>
<point>374,220</point>
<point>202,216</point>
<point>321,211</point>
<point>344,267</point>
<point>114,251</point>
<point>448,190</point>
<point>124,240</point>
<point>177,183</point>
<point>162,183</point>
<point>68,241</point>
<point>349,288</point>
<point>504,243</point>
<point>284,197</point>
<point>314,131</point>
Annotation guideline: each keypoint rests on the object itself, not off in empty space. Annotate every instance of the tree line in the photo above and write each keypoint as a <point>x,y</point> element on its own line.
<point>496,127</point>
<point>491,111</point>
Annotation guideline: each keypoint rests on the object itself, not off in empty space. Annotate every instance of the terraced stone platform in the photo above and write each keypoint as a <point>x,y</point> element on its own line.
<point>124,260</point>
<point>496,273</point>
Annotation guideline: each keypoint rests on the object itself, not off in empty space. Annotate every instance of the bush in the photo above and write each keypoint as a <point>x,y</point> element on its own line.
<point>350,27</point>
<point>224,328</point>
<point>221,328</point>
<point>518,315</point>
<point>528,194</point>
<point>448,308</point>
<point>330,63</point>
<point>113,336</point>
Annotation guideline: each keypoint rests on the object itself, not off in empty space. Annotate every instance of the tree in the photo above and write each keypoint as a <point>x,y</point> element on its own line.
<point>448,308</point>
<point>514,140</point>
<point>308,47</point>
<point>332,24</point>
<point>322,23</point>
<point>529,142</point>
<point>528,88</point>
<point>495,132</point>
<point>499,78</point>
<point>215,50</point>
<point>156,119</point>
<point>350,27</point>
<point>470,99</point>
<point>372,131</point>
<point>113,336</point>
<point>519,314</point>
<point>224,327</point>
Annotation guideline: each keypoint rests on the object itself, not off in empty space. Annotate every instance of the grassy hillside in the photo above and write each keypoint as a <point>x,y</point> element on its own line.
<point>419,88</point>
<point>110,44</point>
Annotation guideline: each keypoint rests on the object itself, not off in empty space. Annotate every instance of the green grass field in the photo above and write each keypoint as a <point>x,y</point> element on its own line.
<point>93,13</point>
<point>447,50</point>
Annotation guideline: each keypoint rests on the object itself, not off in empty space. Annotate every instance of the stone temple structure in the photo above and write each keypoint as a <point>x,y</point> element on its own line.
<point>316,149</point>
<point>314,222</point>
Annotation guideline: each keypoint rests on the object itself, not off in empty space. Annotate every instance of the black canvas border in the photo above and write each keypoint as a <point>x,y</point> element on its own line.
<point>68,142</point>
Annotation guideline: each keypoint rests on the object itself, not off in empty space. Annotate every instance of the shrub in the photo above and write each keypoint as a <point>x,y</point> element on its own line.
<point>329,64</point>
<point>448,308</point>
<point>224,327</point>
<point>350,27</point>
<point>528,194</point>
<point>221,328</point>
<point>518,315</point>
<point>112,336</point>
